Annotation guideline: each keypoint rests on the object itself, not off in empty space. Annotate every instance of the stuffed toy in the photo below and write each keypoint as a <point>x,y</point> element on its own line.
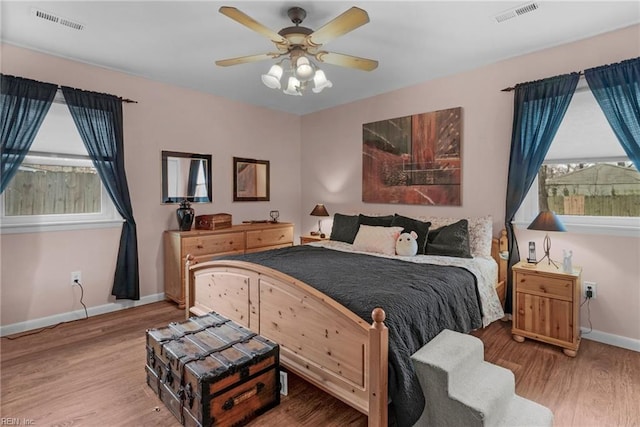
<point>406,244</point>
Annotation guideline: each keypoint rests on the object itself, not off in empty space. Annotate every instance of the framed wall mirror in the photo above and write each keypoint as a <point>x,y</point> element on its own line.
<point>186,176</point>
<point>250,180</point>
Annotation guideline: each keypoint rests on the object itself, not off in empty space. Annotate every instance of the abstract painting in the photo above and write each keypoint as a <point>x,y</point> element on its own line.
<point>414,159</point>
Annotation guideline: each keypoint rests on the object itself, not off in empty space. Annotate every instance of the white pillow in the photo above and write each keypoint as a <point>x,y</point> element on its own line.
<point>377,239</point>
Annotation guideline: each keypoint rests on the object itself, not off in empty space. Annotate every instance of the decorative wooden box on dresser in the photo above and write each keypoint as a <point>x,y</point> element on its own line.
<point>546,305</point>
<point>205,244</point>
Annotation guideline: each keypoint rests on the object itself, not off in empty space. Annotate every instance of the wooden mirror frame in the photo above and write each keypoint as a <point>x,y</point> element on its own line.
<point>242,193</point>
<point>166,158</point>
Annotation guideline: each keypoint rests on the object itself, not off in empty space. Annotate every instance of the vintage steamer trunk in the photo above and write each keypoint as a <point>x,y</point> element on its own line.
<point>210,371</point>
<point>213,222</point>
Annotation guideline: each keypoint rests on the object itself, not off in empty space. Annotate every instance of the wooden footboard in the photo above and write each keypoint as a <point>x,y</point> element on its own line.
<point>319,339</point>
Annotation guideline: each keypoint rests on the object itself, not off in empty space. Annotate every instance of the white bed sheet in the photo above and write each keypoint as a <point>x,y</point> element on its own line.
<point>485,270</point>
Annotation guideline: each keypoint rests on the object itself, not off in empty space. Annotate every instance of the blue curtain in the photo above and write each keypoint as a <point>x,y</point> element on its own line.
<point>617,89</point>
<point>98,118</point>
<point>539,108</point>
<point>23,105</point>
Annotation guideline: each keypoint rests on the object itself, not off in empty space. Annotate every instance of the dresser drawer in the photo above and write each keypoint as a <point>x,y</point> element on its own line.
<point>212,244</point>
<point>544,285</point>
<point>269,237</point>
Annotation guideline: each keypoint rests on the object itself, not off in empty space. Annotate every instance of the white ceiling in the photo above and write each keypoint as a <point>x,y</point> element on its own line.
<point>177,42</point>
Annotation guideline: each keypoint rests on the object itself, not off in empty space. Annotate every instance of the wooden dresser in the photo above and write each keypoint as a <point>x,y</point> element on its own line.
<point>546,305</point>
<point>205,244</point>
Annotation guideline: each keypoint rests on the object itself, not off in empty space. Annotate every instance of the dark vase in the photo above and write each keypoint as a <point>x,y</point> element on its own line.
<point>185,215</point>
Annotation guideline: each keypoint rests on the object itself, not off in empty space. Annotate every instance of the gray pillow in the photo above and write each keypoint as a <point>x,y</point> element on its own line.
<point>409,224</point>
<point>345,228</point>
<point>450,240</point>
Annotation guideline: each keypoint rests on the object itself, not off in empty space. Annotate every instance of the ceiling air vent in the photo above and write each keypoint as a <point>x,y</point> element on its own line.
<point>516,11</point>
<point>56,19</point>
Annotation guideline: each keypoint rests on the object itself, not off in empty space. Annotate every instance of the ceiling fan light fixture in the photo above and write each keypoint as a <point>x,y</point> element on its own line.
<point>304,70</point>
<point>320,82</point>
<point>272,78</point>
<point>293,87</point>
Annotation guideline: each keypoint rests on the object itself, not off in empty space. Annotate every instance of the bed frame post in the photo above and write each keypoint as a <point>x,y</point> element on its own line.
<point>378,369</point>
<point>188,292</point>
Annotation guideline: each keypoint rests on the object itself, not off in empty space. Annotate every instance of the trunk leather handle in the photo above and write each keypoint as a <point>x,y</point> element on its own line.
<point>233,401</point>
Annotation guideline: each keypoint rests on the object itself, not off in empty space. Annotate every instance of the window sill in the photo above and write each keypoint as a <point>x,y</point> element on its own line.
<point>59,226</point>
<point>623,230</point>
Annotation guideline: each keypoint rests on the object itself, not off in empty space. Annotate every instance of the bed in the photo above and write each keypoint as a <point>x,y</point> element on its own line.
<point>329,343</point>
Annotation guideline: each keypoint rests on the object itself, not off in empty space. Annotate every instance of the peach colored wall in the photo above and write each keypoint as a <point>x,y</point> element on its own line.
<point>36,266</point>
<point>332,159</point>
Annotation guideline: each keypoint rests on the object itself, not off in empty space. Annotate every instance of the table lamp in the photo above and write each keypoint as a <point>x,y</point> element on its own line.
<point>319,210</point>
<point>547,221</point>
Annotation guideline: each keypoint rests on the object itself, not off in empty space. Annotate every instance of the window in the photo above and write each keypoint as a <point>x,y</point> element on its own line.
<point>56,186</point>
<point>586,177</point>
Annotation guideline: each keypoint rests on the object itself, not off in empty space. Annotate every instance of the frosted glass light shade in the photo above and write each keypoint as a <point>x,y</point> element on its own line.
<point>292,86</point>
<point>320,82</point>
<point>272,78</point>
<point>304,70</point>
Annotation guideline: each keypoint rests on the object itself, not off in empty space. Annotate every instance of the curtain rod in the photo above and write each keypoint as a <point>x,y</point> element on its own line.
<point>128,101</point>
<point>509,89</point>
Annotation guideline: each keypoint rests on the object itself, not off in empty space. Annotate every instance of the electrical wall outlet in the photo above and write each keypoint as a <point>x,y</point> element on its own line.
<point>76,275</point>
<point>590,286</point>
<point>284,387</point>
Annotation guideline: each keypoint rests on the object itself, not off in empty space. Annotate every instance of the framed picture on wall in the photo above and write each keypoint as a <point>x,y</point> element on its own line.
<point>250,180</point>
<point>414,159</point>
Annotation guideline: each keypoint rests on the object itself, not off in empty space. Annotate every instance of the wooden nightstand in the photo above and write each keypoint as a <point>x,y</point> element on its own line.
<point>546,305</point>
<point>307,238</point>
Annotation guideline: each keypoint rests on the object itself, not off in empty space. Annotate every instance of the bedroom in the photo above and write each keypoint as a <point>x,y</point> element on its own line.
<point>324,150</point>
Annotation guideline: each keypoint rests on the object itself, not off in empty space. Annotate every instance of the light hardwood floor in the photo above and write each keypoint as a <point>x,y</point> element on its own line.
<point>91,373</point>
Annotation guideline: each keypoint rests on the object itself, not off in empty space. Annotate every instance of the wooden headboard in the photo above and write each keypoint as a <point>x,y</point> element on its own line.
<point>500,246</point>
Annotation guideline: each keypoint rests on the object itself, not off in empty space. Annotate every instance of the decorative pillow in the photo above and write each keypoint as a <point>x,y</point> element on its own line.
<point>377,239</point>
<point>409,224</point>
<point>480,232</point>
<point>406,244</point>
<point>450,240</point>
<point>376,221</point>
<point>345,228</point>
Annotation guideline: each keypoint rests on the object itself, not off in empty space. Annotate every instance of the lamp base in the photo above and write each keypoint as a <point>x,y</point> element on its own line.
<point>546,245</point>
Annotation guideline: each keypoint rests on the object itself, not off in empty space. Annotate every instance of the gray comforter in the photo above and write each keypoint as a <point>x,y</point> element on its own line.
<point>420,300</point>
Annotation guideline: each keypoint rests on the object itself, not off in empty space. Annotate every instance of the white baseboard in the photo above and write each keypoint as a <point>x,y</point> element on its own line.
<point>42,322</point>
<point>611,339</point>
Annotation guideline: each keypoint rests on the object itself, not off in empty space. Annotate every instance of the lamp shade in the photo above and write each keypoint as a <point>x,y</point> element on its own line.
<point>292,87</point>
<point>320,82</point>
<point>319,210</point>
<point>272,78</point>
<point>547,221</point>
<point>304,70</point>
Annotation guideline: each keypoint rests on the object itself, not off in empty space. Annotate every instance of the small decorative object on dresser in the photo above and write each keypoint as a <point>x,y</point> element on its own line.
<point>185,215</point>
<point>208,370</point>
<point>213,222</point>
<point>274,216</point>
<point>546,305</point>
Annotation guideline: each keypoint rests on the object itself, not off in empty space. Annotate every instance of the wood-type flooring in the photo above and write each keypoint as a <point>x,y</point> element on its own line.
<point>91,373</point>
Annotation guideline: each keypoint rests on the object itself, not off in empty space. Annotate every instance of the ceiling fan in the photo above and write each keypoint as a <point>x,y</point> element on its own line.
<point>302,47</point>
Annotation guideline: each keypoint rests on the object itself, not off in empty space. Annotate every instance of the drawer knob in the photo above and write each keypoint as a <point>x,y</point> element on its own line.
<point>199,246</point>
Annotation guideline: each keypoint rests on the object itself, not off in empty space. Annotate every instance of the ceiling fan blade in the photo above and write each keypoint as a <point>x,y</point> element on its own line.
<point>245,59</point>
<point>348,21</point>
<point>347,61</point>
<point>251,23</point>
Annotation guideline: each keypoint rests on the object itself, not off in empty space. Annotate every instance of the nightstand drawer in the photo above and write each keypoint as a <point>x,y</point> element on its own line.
<point>213,244</point>
<point>544,285</point>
